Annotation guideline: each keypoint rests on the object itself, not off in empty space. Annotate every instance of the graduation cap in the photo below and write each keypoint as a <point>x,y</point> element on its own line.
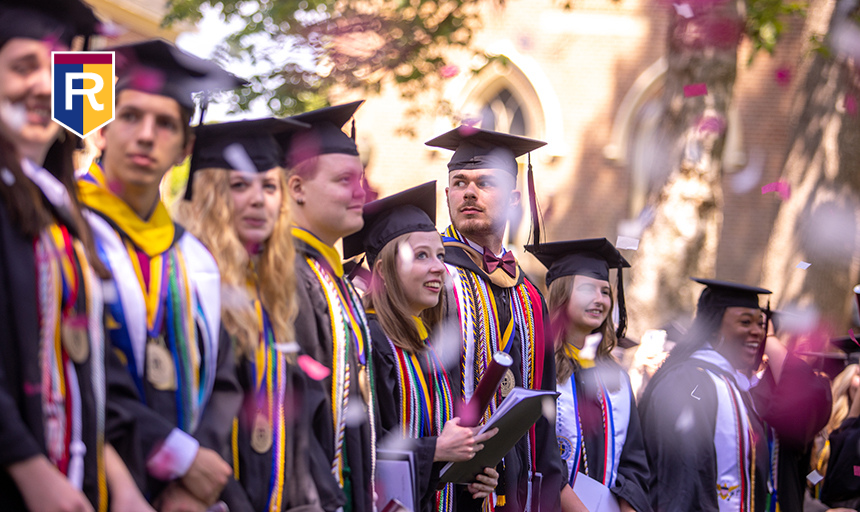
<point>475,148</point>
<point>248,145</point>
<point>410,211</point>
<point>157,67</point>
<point>61,20</point>
<point>725,294</point>
<point>325,135</point>
<point>591,257</point>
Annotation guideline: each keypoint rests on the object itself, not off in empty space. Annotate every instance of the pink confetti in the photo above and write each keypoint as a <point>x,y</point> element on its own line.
<point>851,105</point>
<point>449,71</point>
<point>851,334</point>
<point>693,90</point>
<point>783,188</point>
<point>466,130</point>
<point>783,76</point>
<point>712,124</point>
<point>314,369</point>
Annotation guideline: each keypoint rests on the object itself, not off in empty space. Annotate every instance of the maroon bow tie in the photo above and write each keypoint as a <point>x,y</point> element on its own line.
<point>507,262</point>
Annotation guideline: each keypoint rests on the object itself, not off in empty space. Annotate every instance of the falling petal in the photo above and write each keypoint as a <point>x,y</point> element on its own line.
<point>313,368</point>
<point>685,421</point>
<point>693,90</point>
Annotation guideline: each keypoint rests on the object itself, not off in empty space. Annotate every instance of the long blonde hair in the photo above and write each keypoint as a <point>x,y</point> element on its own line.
<point>387,298</point>
<point>559,321</point>
<point>209,217</point>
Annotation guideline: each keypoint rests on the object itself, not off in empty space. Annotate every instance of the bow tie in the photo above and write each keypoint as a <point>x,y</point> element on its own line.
<point>507,262</point>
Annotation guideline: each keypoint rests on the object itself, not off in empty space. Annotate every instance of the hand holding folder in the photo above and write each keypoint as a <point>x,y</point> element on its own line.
<point>514,417</point>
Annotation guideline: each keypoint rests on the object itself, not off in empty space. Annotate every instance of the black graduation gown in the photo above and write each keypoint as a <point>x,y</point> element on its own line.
<point>308,482</point>
<point>313,333</point>
<point>841,486</point>
<point>631,483</point>
<point>678,424</point>
<point>797,409</point>
<point>136,427</point>
<point>22,433</point>
<point>390,416</point>
<point>547,460</point>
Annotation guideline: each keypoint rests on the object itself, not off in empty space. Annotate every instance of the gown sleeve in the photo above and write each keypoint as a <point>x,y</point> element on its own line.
<point>633,473</point>
<point>799,388</point>
<point>678,422</point>
<point>17,443</point>
<point>131,427</point>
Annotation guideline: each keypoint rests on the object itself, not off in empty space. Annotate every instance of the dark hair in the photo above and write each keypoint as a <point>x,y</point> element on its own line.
<point>28,209</point>
<point>388,299</point>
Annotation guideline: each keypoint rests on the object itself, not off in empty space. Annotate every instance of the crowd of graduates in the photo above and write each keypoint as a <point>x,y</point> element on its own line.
<point>218,356</point>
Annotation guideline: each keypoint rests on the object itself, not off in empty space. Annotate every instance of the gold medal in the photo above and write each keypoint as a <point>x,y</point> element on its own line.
<point>261,436</point>
<point>507,383</point>
<point>160,371</point>
<point>364,384</point>
<point>76,341</point>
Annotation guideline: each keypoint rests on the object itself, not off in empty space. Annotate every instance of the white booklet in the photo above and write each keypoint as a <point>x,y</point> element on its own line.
<point>594,495</point>
<point>395,478</point>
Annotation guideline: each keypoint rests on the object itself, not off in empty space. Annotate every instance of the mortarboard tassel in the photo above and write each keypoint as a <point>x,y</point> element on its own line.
<point>533,203</point>
<point>352,130</point>
<point>621,330</point>
<point>204,105</point>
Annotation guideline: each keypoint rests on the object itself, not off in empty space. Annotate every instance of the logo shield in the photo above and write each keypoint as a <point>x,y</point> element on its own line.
<point>83,94</point>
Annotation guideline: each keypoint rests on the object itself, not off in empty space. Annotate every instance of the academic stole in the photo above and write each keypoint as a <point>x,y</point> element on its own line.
<point>348,324</point>
<point>606,413</point>
<point>270,371</point>
<point>425,405</point>
<point>170,325</point>
<point>479,316</point>
<point>744,443</point>
<point>61,266</point>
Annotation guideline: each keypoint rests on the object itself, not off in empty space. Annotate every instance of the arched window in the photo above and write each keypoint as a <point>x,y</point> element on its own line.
<point>635,140</point>
<point>504,113</point>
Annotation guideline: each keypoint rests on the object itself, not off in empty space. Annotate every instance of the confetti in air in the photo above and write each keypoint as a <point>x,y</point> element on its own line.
<point>747,178</point>
<point>312,367</point>
<point>783,76</point>
<point>449,71</point>
<point>626,242</point>
<point>803,265</point>
<point>685,421</point>
<point>13,115</point>
<point>683,10</point>
<point>693,90</point>
<point>405,256</point>
<point>589,348</point>
<point>814,477</point>
<point>781,187</point>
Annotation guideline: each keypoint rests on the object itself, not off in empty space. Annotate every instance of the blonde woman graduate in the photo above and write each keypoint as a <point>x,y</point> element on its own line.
<point>53,450</point>
<point>597,423</point>
<point>415,401</point>
<point>237,206</point>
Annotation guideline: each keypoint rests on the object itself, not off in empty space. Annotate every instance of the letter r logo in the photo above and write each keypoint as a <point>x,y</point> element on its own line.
<point>89,93</point>
<point>83,92</point>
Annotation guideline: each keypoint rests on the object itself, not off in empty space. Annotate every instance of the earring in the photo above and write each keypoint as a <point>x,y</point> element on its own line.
<point>300,201</point>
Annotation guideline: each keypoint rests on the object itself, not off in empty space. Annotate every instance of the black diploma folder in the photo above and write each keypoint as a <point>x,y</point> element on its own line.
<point>514,417</point>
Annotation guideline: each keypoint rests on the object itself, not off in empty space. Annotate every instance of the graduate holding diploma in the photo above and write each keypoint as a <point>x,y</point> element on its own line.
<point>406,256</point>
